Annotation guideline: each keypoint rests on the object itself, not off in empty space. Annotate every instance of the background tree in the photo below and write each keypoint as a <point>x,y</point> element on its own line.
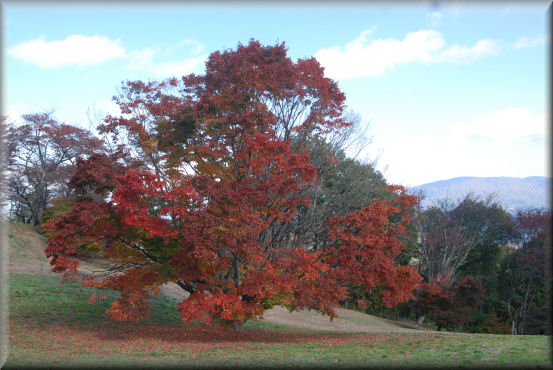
<point>3,163</point>
<point>215,163</point>
<point>465,238</point>
<point>449,305</point>
<point>524,280</point>
<point>342,185</point>
<point>444,245</point>
<point>41,158</point>
<point>491,227</point>
<point>462,238</point>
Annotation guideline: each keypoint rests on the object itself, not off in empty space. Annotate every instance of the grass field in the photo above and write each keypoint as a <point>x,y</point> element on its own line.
<point>55,325</point>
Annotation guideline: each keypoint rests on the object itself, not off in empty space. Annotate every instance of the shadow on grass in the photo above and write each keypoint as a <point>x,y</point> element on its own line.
<point>213,334</point>
<point>41,302</point>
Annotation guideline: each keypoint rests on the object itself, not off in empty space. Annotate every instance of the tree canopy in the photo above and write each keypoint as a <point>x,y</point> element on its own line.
<point>201,172</point>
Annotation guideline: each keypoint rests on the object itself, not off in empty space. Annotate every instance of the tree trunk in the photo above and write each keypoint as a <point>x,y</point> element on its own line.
<point>513,327</point>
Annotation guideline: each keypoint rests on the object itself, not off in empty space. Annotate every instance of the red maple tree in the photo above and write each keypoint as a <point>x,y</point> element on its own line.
<point>204,166</point>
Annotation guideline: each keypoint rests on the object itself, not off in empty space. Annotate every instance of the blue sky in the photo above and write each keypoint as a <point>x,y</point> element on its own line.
<point>447,90</point>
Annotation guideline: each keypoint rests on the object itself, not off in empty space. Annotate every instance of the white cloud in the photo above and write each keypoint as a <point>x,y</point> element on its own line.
<point>364,58</point>
<point>144,60</point>
<point>197,47</point>
<point>509,124</point>
<point>180,68</point>
<point>14,115</point>
<point>463,54</point>
<point>79,50</point>
<point>76,50</point>
<point>505,142</point>
<point>141,59</point>
<point>529,42</point>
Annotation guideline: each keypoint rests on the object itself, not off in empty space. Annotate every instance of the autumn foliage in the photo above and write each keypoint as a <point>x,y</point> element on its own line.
<point>201,169</point>
<point>450,304</point>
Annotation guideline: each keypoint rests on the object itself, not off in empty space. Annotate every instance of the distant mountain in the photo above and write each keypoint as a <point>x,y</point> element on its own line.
<point>513,192</point>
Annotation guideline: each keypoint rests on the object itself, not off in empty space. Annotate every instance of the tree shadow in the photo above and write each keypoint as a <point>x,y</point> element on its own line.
<point>214,334</point>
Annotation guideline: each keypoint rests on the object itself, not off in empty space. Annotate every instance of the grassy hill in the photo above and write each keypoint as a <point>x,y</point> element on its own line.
<point>26,253</point>
<point>53,325</point>
<point>25,248</point>
<point>56,325</point>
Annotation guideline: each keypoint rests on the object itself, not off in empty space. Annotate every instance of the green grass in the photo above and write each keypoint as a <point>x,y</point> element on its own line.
<point>43,300</point>
<point>55,325</point>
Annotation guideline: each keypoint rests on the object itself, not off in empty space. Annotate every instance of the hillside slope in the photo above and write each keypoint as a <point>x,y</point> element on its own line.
<point>26,255</point>
<point>513,192</point>
<point>26,251</point>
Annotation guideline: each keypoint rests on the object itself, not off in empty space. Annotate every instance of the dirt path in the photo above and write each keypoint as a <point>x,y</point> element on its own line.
<point>344,321</point>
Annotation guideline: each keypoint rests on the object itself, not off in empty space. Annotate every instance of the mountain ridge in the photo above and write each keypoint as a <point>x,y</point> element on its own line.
<point>513,192</point>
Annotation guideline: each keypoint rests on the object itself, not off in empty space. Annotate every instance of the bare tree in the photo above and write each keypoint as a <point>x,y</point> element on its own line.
<point>41,155</point>
<point>524,279</point>
<point>449,231</point>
